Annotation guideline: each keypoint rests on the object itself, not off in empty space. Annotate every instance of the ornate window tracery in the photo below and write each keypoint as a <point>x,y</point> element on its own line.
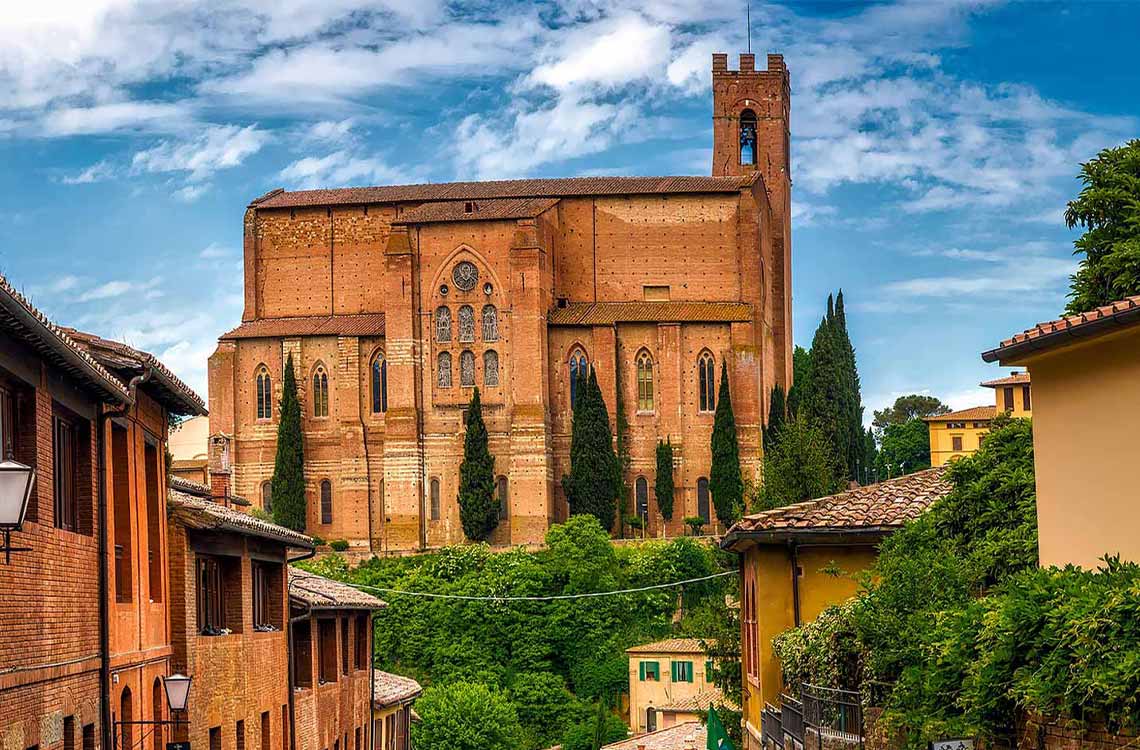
<point>443,370</point>
<point>466,368</point>
<point>379,384</point>
<point>490,323</point>
<point>264,393</point>
<point>579,367</point>
<point>466,324</point>
<point>490,367</point>
<point>443,323</point>
<point>320,392</point>
<point>644,381</point>
<point>465,275</point>
<point>706,376</point>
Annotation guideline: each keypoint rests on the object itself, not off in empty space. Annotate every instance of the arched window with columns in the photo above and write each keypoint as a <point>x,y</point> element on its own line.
<point>706,377</point>
<point>443,324</point>
<point>379,372</point>
<point>644,381</point>
<point>579,368</point>
<point>264,393</point>
<point>490,323</point>
<point>320,391</point>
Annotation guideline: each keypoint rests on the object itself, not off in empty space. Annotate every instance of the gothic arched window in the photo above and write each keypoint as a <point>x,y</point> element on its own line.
<point>434,499</point>
<point>443,375</point>
<point>320,392</point>
<point>490,367</point>
<point>379,383</point>
<point>326,501</point>
<point>264,394</point>
<point>466,368</point>
<point>642,492</point>
<point>504,503</point>
<point>490,323</point>
<point>578,369</point>
<point>267,497</point>
<point>644,381</point>
<point>443,323</point>
<point>466,324</point>
<point>703,499</point>
<point>706,375</point>
<point>747,137</point>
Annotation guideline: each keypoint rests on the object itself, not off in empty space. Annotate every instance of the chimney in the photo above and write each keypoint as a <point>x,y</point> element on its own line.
<point>747,62</point>
<point>720,62</point>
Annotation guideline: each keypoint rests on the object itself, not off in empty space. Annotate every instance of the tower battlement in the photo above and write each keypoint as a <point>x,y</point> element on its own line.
<point>747,64</point>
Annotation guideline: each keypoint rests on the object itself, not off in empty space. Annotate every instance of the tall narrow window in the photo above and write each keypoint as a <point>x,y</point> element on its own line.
<point>302,658</point>
<point>320,392</point>
<point>265,730</point>
<point>703,499</point>
<point>326,501</point>
<point>642,492</point>
<point>747,137</point>
<point>211,603</point>
<point>466,368</point>
<point>644,382</point>
<point>443,323</point>
<point>490,323</point>
<point>267,497</point>
<point>707,382</point>
<point>66,473</point>
<point>121,492</point>
<point>264,394</point>
<point>1025,402</point>
<point>466,324</point>
<point>154,509</point>
<point>7,424</point>
<point>435,499</point>
<point>443,376</point>
<point>504,502</point>
<point>490,367</point>
<point>156,704</point>
<point>1007,393</point>
<point>126,719</point>
<point>379,384</point>
<point>578,369</point>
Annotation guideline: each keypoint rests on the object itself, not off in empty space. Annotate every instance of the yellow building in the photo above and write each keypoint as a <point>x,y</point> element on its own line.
<point>392,715</point>
<point>798,560</point>
<point>1086,393</point>
<point>669,683</point>
<point>961,432</point>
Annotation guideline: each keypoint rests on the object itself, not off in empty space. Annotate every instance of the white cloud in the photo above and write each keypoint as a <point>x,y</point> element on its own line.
<point>1032,275</point>
<point>607,53</point>
<point>216,147</point>
<point>214,251</point>
<point>115,117</point>
<point>97,172</point>
<point>118,288</point>
<point>339,168</point>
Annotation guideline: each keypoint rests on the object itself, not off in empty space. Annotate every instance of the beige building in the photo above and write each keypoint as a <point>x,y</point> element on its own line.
<point>1086,399</point>
<point>962,432</point>
<point>189,448</point>
<point>669,683</point>
<point>392,715</point>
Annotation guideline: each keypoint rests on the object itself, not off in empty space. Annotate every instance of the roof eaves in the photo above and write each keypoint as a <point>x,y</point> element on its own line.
<point>1016,348</point>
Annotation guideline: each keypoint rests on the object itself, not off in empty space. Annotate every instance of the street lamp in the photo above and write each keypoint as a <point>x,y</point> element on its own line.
<point>16,485</point>
<point>177,691</point>
<point>177,687</point>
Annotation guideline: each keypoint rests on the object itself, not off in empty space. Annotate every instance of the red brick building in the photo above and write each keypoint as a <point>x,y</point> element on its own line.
<point>396,301</point>
<point>331,647</point>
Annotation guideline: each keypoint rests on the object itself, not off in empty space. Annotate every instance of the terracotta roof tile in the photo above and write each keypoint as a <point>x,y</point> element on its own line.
<point>605,313</point>
<point>688,736</point>
<point>699,702</point>
<point>669,646</point>
<point>974,412</point>
<point>364,324</point>
<point>1052,333</point>
<point>876,507</point>
<point>535,188</point>
<point>490,209</point>
<point>390,689</point>
<point>25,322</point>
<point>186,504</point>
<point>318,592</point>
<point>1018,378</point>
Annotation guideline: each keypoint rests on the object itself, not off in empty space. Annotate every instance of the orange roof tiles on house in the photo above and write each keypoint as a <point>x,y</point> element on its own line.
<point>1053,333</point>
<point>537,188</point>
<point>364,324</point>
<point>965,415</point>
<point>607,313</point>
<point>390,689</point>
<point>699,703</point>
<point>691,735</point>
<point>1014,378</point>
<point>317,592</point>
<point>873,510</point>
<point>187,502</point>
<point>491,209</point>
<point>669,646</point>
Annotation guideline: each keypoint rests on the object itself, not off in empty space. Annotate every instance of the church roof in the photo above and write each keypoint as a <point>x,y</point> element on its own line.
<point>605,313</point>
<point>365,324</point>
<point>536,188</point>
<point>491,209</point>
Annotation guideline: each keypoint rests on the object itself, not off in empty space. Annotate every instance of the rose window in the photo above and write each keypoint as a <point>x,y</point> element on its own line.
<point>465,275</point>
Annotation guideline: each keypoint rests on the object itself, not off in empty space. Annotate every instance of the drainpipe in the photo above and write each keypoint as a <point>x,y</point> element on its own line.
<point>104,585</point>
<point>794,547</point>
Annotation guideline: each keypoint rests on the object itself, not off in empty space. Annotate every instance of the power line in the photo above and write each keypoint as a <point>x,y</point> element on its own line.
<point>550,598</point>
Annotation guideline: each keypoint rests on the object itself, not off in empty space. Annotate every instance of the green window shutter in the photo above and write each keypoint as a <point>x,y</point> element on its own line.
<point>673,671</point>
<point>708,670</point>
<point>688,671</point>
<point>642,666</point>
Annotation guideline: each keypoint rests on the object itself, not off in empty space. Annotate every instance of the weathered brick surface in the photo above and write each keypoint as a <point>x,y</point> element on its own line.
<point>326,713</point>
<point>323,260</point>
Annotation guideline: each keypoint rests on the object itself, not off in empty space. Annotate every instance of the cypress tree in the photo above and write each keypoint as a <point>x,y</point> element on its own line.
<point>595,473</point>
<point>851,405</point>
<point>822,403</point>
<point>725,482</point>
<point>288,487</point>
<point>777,413</point>
<point>478,510</point>
<point>801,381</point>
<point>663,484</point>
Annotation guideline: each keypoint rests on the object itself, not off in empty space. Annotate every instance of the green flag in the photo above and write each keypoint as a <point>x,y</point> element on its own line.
<point>718,738</point>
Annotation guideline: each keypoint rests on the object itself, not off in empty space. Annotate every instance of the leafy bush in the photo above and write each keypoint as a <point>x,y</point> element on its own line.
<point>465,716</point>
<point>586,734</point>
<point>338,545</point>
<point>696,524</point>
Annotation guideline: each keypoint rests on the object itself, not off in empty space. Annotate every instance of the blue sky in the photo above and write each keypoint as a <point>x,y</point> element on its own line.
<point>934,144</point>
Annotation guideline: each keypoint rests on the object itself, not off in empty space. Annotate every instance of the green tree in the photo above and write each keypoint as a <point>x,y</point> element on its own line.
<point>801,380</point>
<point>905,449</point>
<point>288,485</point>
<point>546,707</point>
<point>725,481</point>
<point>624,458</point>
<point>663,484</point>
<point>777,414</point>
<point>906,408</point>
<point>594,482</point>
<point>851,414</point>
<point>466,716</point>
<point>1108,208</point>
<point>799,467</point>
<point>478,510</point>
<point>595,732</point>
<point>870,459</point>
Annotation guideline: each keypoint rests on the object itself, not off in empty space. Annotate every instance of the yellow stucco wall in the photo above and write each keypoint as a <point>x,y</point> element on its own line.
<point>942,440</point>
<point>644,694</point>
<point>1086,408</point>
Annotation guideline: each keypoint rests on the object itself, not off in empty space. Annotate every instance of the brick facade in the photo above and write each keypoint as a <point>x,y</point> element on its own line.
<point>342,279</point>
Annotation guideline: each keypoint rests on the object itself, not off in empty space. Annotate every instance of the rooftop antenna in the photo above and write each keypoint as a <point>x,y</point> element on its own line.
<point>748,23</point>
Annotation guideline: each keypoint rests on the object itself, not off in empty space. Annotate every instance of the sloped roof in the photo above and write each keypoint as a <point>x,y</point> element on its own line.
<point>1053,333</point>
<point>490,209</point>
<point>606,313</point>
<point>965,415</point>
<point>164,385</point>
<point>187,505</point>
<point>669,646</point>
<point>690,735</point>
<point>876,509</point>
<point>534,188</point>
<point>364,324</point>
<point>20,318</point>
<point>699,702</point>
<point>1016,378</point>
<point>389,689</point>
<point>318,592</point>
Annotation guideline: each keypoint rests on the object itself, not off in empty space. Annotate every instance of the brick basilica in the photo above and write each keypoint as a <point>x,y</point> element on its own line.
<point>395,301</point>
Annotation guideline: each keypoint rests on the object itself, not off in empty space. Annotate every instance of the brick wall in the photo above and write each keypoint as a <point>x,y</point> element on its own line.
<point>326,713</point>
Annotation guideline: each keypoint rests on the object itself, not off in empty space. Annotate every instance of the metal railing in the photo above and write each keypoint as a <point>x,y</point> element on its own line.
<point>771,729</point>
<point>792,720</point>
<point>833,713</point>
